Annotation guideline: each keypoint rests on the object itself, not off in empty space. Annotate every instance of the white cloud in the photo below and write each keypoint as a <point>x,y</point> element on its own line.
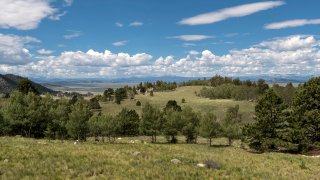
<point>164,61</point>
<point>223,43</point>
<point>58,16</point>
<point>72,34</point>
<point>120,43</point>
<point>136,23</point>
<point>67,3</point>
<point>119,24</point>
<point>188,44</point>
<point>292,23</point>
<point>193,52</point>
<point>191,37</point>
<point>237,11</point>
<point>291,43</point>
<point>24,14</point>
<point>13,49</point>
<point>44,51</point>
<point>298,54</point>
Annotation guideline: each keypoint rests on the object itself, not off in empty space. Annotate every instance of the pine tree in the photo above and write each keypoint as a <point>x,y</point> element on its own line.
<point>25,86</point>
<point>77,125</point>
<point>191,123</point>
<point>231,124</point>
<point>152,121</point>
<point>209,127</point>
<point>128,122</point>
<point>269,123</point>
<point>306,109</point>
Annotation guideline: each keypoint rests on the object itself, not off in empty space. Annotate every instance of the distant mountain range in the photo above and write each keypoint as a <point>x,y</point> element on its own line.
<point>9,82</point>
<point>138,79</point>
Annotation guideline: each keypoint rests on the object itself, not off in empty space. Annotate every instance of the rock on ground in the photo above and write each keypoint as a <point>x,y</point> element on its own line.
<point>175,161</point>
<point>201,165</point>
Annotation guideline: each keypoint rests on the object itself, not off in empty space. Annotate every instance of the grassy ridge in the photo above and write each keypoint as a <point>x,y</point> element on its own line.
<point>41,159</point>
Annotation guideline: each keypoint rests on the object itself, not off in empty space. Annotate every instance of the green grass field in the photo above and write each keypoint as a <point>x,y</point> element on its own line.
<point>188,93</point>
<point>22,158</point>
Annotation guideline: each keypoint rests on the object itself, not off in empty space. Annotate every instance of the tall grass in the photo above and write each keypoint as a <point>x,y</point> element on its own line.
<point>22,158</point>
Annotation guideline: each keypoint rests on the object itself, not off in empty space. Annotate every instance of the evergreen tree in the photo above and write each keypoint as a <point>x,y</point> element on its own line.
<point>120,94</point>
<point>143,90</point>
<point>110,127</point>
<point>128,122</point>
<point>4,125</point>
<point>183,100</point>
<point>77,125</point>
<point>173,125</point>
<point>172,105</point>
<point>262,86</point>
<point>231,124</point>
<point>24,115</point>
<point>134,90</point>
<point>94,103</point>
<point>108,93</point>
<point>191,124</point>
<point>60,117</point>
<point>152,121</point>
<point>305,124</point>
<point>209,127</point>
<point>266,131</point>
<point>25,86</point>
<point>96,126</point>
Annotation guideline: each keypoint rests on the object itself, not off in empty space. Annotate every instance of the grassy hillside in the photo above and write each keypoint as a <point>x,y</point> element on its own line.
<point>40,159</point>
<point>197,103</point>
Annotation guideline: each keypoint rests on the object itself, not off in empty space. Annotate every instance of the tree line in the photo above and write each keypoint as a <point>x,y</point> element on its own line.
<point>277,125</point>
<point>31,115</point>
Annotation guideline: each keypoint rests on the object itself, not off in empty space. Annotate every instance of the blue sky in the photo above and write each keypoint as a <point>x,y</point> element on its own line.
<point>118,38</point>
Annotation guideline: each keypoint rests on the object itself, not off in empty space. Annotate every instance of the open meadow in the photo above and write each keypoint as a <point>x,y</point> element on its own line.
<point>200,104</point>
<point>22,158</point>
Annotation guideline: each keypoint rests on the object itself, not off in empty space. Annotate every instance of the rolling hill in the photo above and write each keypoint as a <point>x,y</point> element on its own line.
<point>9,82</point>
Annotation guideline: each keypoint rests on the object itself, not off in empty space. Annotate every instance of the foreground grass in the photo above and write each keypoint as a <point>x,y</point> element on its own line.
<point>22,158</point>
<point>188,93</point>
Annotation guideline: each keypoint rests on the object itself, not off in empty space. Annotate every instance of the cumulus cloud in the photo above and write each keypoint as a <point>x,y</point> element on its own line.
<point>291,43</point>
<point>120,43</point>
<point>298,54</point>
<point>292,23</point>
<point>136,24</point>
<point>44,51</point>
<point>191,37</point>
<point>13,49</point>
<point>24,14</point>
<point>237,11</point>
<point>72,34</point>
